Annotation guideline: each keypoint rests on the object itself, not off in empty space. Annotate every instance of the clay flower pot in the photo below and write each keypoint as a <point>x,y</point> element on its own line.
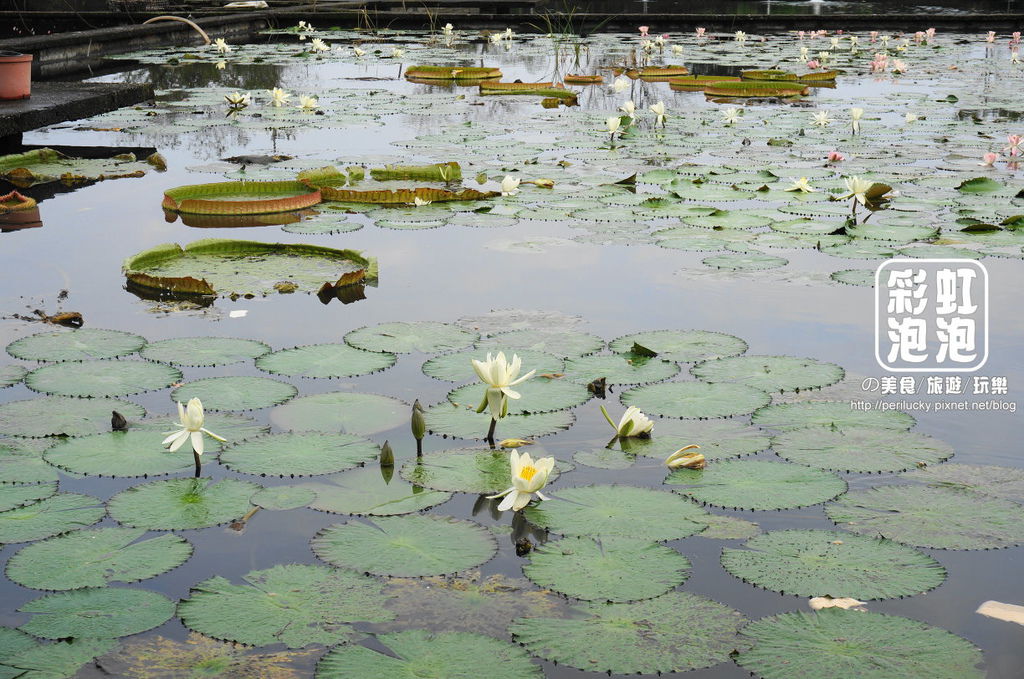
<point>15,75</point>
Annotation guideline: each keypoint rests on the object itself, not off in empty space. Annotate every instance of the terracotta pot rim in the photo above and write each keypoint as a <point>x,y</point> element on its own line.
<point>11,56</point>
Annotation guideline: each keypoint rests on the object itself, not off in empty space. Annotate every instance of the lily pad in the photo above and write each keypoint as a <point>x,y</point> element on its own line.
<point>445,419</point>
<point>618,510</point>
<point>860,449</point>
<point>406,546</point>
<point>930,517</point>
<point>97,613</point>
<point>19,496</point>
<point>456,367</point>
<point>538,396</point>
<point>619,369</point>
<point>365,492</point>
<point>325,360</point>
<point>467,470</point>
<point>281,498</point>
<point>683,346</point>
<point>1004,482</point>
<point>101,378</point>
<point>718,439</point>
<point>728,528</point>
<point>119,453</point>
<point>299,454</point>
<point>695,399</point>
<point>58,514</point>
<point>563,343</point>
<point>59,660</point>
<point>676,632</point>
<point>293,604</point>
<point>11,375</point>
<point>235,393</point>
<point>838,644</point>
<point>817,563</point>
<point>752,261</point>
<point>340,411</point>
<point>204,351</point>
<point>62,416</point>
<point>604,458</point>
<point>401,337</point>
<point>232,426</point>
<point>179,504</point>
<point>789,416</point>
<point>453,655</point>
<point>24,467</point>
<point>609,568</point>
<point>76,345</point>
<point>95,558</point>
<point>770,373</point>
<point>757,484</point>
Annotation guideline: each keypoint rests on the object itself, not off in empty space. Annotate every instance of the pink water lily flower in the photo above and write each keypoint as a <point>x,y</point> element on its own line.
<point>991,37</point>
<point>644,30</point>
<point>835,157</point>
<point>813,64</point>
<point>700,31</point>
<point>989,160</point>
<point>874,36</point>
<point>1015,38</point>
<point>801,34</point>
<point>930,33</point>
<point>1015,142</point>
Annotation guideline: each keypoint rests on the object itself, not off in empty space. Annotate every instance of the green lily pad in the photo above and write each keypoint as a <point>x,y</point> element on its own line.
<point>119,453</point>
<point>325,360</point>
<point>299,454</point>
<point>97,613</point>
<point>538,396</point>
<point>838,644</point>
<point>718,439</point>
<point>204,351</point>
<point>24,467</point>
<point>428,337</point>
<point>930,517</point>
<point>1004,482</point>
<point>728,528</point>
<point>281,498</point>
<point>770,373</point>
<point>682,346</point>
<point>747,261</point>
<point>468,470</point>
<point>619,369</point>
<point>788,416</point>
<point>618,510</point>
<point>293,604</point>
<point>610,568</point>
<point>563,343</point>
<point>179,504</point>
<point>757,484</point>
<point>58,514</point>
<point>862,277</point>
<point>445,419</point>
<point>340,411</point>
<point>604,458</point>
<point>101,378</point>
<point>695,399</point>
<point>676,632</point>
<point>76,345</point>
<point>62,416</point>
<point>406,546</point>
<point>11,375</point>
<point>456,367</point>
<point>418,653</point>
<point>860,449</point>
<point>59,660</point>
<point>95,558</point>
<point>12,642</point>
<point>364,492</point>
<point>818,563</point>
<point>19,496</point>
<point>235,393</point>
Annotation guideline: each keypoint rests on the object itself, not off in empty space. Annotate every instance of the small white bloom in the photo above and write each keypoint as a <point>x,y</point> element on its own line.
<point>191,421</point>
<point>279,97</point>
<point>499,375</point>
<point>731,115</point>
<point>628,107</point>
<point>821,119</point>
<point>222,45</point>
<point>237,99</point>
<point>677,49</point>
<point>358,51</point>
<point>613,124</point>
<point>857,189</point>
<point>419,202</point>
<point>856,114</point>
<point>528,477</point>
<point>681,459</point>
<point>221,65</point>
<point>911,117</point>
<point>307,103</point>
<point>448,28</point>
<point>397,53</point>
<point>319,45</point>
<point>632,423</point>
<point>620,84</point>
<point>740,37</point>
<point>802,185</point>
<point>509,187</point>
<point>658,110</point>
<point>820,602</point>
<point>496,38</point>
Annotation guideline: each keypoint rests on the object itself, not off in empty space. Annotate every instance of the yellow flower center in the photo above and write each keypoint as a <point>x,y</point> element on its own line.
<point>527,473</point>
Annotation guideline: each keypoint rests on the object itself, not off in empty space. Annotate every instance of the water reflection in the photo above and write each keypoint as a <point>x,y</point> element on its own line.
<point>816,7</point>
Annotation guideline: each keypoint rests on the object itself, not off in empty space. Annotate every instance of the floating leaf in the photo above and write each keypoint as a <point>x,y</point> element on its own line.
<point>76,345</point>
<point>400,337</point>
<point>757,484</point>
<point>240,198</point>
<point>788,416</point>
<point>676,632</point>
<point>457,367</point>
<point>299,454</point>
<point>468,470</point>
<point>455,655</point>
<point>179,504</point>
<point>294,604</point>
<point>58,514</point>
<point>406,546</point>
<point>837,644</point>
<point>717,439</point>
<point>618,510</point>
<point>609,568</point>
<point>204,351</point>
<point>350,413</point>
<point>19,496</point>
<point>60,660</point>
<point>860,449</point>
<point>1004,482</point>
<point>753,261</point>
<point>325,360</point>
<point>119,453</point>
<point>980,185</point>
<point>11,375</point>
<point>446,419</point>
<point>817,563</point>
<point>538,396</point>
<point>365,492</point>
<point>619,369</point>
<point>930,517</point>
<point>280,498</point>
<point>62,416</point>
<point>97,613</point>
<point>235,393</point>
<point>728,528</point>
<point>695,399</point>
<point>24,466</point>
<point>96,557</point>
<point>604,458</point>
<point>564,343</point>
<point>770,373</point>
<point>232,426</point>
<point>101,378</point>
<point>683,346</point>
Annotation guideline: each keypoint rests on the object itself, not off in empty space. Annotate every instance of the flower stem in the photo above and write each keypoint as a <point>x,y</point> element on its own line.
<point>490,432</point>
<point>419,448</point>
<point>199,464</point>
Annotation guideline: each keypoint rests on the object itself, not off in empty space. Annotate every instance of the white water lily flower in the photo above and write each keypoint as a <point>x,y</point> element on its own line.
<point>804,52</point>
<point>191,421</point>
<point>802,185</point>
<point>740,37</point>
<point>911,117</point>
<point>528,477</point>
<point>419,202</point>
<point>279,97</point>
<point>496,38</point>
<point>509,34</point>
<point>509,187</point>
<point>447,29</point>
<point>658,110</point>
<point>681,459</point>
<point>856,114</point>
<point>222,45</point>
<point>731,115</point>
<point>307,103</point>
<point>821,119</point>
<point>613,124</point>
<point>397,53</point>
<point>820,602</point>
<point>358,51</point>
<point>628,107</point>
<point>221,65</point>
<point>633,423</point>
<point>834,42</point>
<point>237,99</point>
<point>500,376</point>
<point>677,49</point>
<point>620,84</point>
<point>857,189</point>
<point>319,45</point>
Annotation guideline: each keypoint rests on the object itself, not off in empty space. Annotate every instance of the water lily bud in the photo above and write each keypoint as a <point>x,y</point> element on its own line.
<point>419,423</point>
<point>684,460</point>
<point>515,443</point>
<point>387,456</point>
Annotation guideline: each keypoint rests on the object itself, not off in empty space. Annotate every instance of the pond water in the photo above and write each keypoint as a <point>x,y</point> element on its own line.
<point>733,253</point>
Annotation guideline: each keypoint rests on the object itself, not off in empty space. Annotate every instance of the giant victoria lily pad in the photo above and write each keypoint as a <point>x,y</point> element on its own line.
<point>19,496</point>
<point>789,416</point>
<point>62,416</point>
<point>240,198</point>
<point>860,449</point>
<point>119,453</point>
<point>696,399</point>
<point>101,378</point>
<point>76,345</point>
<point>341,411</point>
<point>235,393</point>
<point>757,484</point>
<point>325,360</point>
<point>683,346</point>
<point>770,373</point>
<point>299,454</point>
<point>204,351</point>
<point>1004,482</point>
<point>179,504</point>
<point>404,337</point>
